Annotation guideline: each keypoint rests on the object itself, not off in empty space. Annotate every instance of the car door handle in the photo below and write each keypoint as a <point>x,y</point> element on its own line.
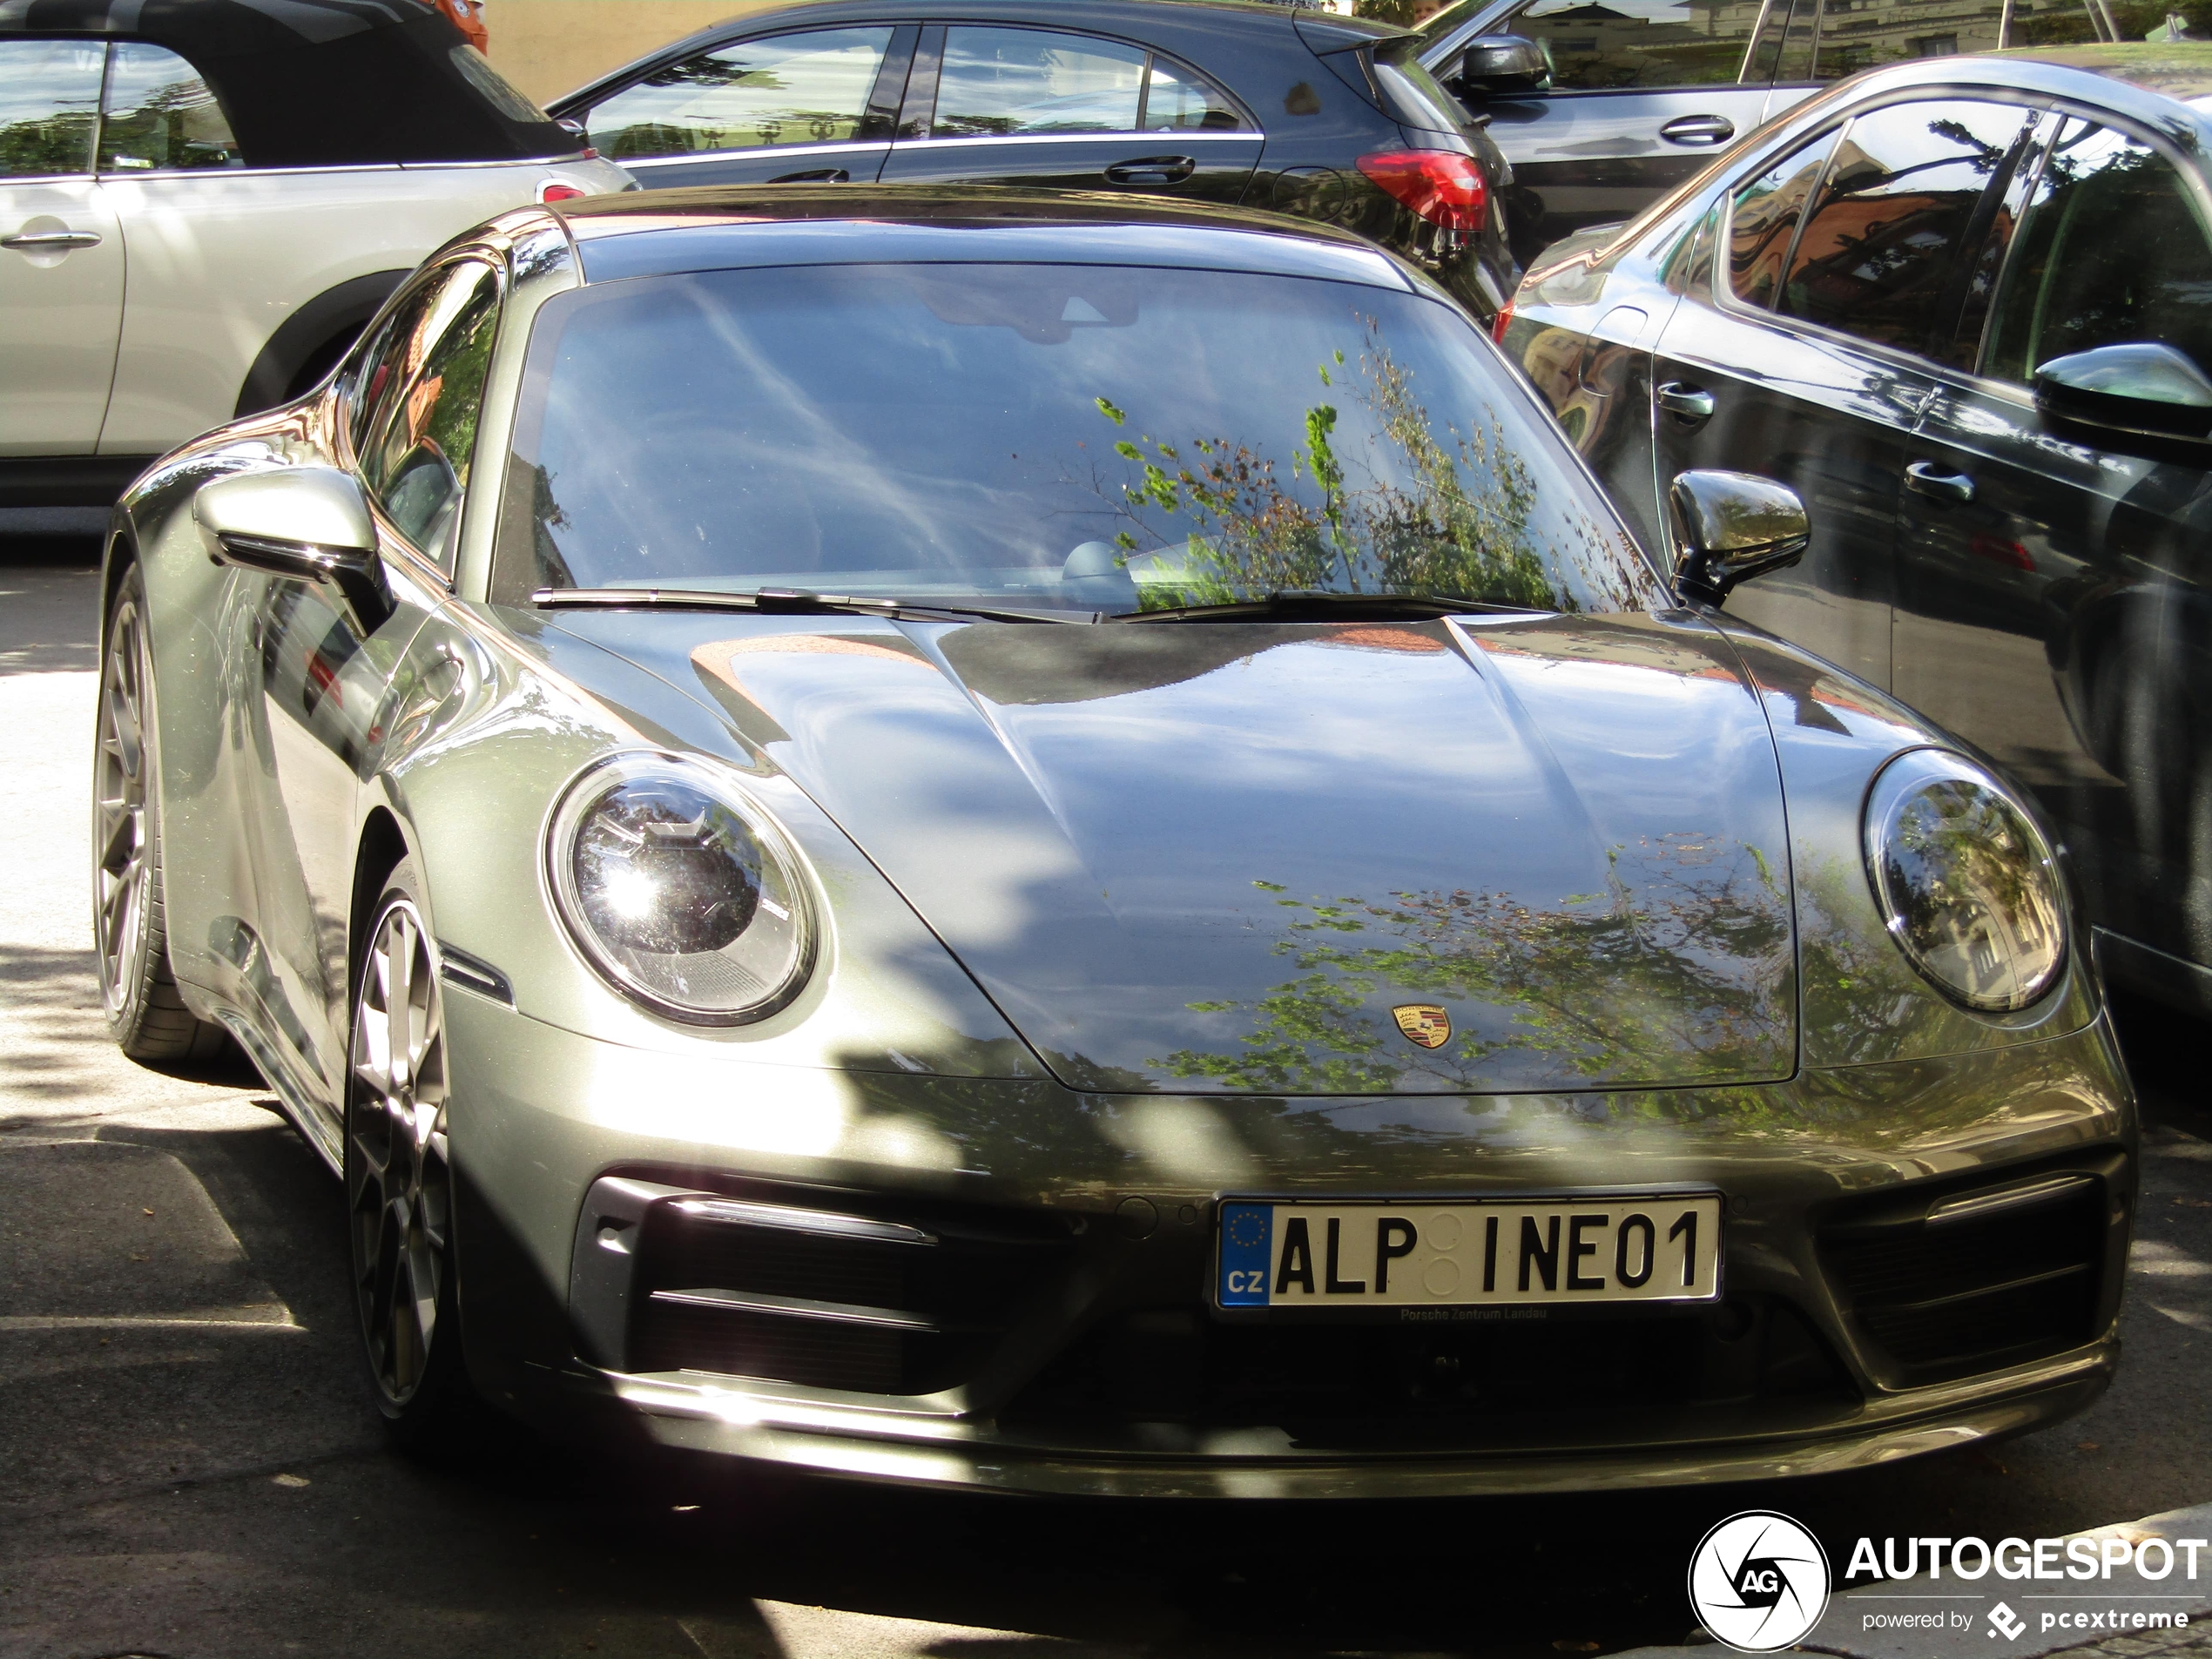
<point>1698,129</point>
<point>1152,170</point>
<point>50,241</point>
<point>1926,478</point>
<point>1686,403</point>
<point>815,175</point>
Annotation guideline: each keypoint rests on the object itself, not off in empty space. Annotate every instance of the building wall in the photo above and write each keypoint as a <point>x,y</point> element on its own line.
<point>548,47</point>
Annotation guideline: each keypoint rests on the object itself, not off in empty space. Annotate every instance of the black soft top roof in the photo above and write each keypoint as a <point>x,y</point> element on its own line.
<point>322,82</point>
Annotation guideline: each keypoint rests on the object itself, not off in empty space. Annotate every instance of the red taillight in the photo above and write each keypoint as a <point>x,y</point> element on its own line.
<point>1502,321</point>
<point>1442,186</point>
<point>550,192</point>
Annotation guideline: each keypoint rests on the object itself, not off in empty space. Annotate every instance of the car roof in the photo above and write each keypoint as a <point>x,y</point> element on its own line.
<point>665,232</point>
<point>2166,86</point>
<point>1168,19</point>
<point>322,82</point>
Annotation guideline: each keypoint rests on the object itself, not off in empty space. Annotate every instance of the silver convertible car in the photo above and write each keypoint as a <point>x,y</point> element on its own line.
<point>1056,844</point>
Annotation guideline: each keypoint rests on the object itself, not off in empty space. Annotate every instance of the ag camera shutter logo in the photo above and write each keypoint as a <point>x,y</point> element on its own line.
<point>1758,1582</point>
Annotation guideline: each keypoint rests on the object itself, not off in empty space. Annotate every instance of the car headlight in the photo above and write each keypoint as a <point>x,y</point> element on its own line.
<point>1966,884</point>
<point>681,892</point>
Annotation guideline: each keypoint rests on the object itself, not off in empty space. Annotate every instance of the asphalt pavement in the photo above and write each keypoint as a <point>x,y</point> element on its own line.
<point>190,1463</point>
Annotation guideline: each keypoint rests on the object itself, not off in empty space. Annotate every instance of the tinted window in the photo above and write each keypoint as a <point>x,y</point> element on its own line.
<point>49,106</point>
<point>1415,96</point>
<point>1826,40</point>
<point>786,89</point>
<point>1178,101</point>
<point>1029,80</point>
<point>1104,437</point>
<point>2113,251</point>
<point>1881,245</point>
<point>1641,42</point>
<point>1764,217</point>
<point>421,438</point>
<point>161,115</point>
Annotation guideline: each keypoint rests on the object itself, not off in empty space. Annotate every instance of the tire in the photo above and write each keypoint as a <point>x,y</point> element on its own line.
<point>399,1178</point>
<point>146,1012</point>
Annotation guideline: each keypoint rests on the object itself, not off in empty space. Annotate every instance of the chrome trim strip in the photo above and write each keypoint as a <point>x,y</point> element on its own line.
<point>1976,1204</point>
<point>737,1213</point>
<point>797,1307</point>
<point>473,974</point>
<point>1154,139</point>
<point>842,147</point>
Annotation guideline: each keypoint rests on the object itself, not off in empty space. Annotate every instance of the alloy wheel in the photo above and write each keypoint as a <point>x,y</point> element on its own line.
<point>399,1181</point>
<point>122,859</point>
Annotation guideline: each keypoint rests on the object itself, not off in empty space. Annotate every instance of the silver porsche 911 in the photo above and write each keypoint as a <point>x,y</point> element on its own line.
<point>1055,844</point>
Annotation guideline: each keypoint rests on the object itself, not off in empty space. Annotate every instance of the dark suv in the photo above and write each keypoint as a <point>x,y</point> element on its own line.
<point>1328,118</point>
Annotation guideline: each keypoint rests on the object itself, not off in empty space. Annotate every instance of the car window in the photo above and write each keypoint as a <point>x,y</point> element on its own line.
<point>1414,97</point>
<point>1881,244</point>
<point>1639,43</point>
<point>49,106</point>
<point>1764,218</point>
<point>809,88</point>
<point>1004,81</point>
<point>1825,40</point>
<point>2113,251</point>
<point>1178,101</point>
<point>161,116</point>
<point>421,438</point>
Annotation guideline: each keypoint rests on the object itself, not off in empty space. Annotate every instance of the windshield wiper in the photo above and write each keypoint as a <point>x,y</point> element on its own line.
<point>782,602</point>
<point>1305,604</point>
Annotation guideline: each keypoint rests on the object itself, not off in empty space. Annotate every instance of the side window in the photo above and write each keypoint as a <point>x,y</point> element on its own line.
<point>1825,40</point>
<point>1000,81</point>
<point>2113,252</point>
<point>1764,218</point>
<point>161,115</point>
<point>1881,245</point>
<point>49,106</point>
<point>1178,101</point>
<point>422,437</point>
<point>809,88</point>
<point>1673,43</point>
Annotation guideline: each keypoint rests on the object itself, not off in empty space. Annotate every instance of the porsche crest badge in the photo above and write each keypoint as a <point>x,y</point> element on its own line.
<point>1424,1022</point>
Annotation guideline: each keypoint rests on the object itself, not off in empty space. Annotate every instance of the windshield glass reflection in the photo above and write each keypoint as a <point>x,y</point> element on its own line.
<point>1099,439</point>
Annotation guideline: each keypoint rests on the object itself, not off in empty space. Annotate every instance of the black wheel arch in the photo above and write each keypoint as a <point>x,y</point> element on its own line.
<point>333,316</point>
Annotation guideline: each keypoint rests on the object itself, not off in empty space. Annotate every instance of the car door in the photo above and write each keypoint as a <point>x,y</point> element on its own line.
<point>1640,99</point>
<point>61,254</point>
<point>814,105</point>
<point>329,702</point>
<point>988,104</point>
<point>2053,603</point>
<point>1814,358</point>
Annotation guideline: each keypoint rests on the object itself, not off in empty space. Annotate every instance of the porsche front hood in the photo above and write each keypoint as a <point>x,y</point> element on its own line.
<point>1479,854</point>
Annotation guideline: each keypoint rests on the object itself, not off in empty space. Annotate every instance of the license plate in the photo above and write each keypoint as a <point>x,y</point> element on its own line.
<point>1645,1247</point>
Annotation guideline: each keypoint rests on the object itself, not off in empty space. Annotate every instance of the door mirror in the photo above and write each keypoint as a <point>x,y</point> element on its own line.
<point>2143,388</point>
<point>1732,526</point>
<point>308,524</point>
<point>1500,66</point>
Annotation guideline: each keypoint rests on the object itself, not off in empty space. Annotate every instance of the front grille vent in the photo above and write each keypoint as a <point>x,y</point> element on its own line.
<point>1983,1280</point>
<point>783,1293</point>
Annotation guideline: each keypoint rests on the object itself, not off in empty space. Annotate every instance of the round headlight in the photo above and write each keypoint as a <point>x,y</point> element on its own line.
<point>1966,884</point>
<point>679,890</point>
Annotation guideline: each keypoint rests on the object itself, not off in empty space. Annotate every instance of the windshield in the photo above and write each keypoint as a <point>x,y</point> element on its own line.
<point>1093,438</point>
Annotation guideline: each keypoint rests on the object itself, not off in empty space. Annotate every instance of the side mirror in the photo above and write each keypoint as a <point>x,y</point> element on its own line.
<point>2145,388</point>
<point>1500,66</point>
<point>1733,526</point>
<point>308,524</point>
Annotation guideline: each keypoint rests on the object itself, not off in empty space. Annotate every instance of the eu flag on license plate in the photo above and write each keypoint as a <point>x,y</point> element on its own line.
<point>1247,1252</point>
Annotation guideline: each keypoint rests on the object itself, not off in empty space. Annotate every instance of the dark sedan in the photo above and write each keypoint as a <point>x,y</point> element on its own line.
<point>1328,118</point>
<point>1966,308</point>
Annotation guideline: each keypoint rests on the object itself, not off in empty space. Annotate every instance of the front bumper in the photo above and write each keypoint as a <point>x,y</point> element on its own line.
<point>1094,1366</point>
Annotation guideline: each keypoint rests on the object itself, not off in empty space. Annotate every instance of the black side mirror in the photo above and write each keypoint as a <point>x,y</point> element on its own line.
<point>308,524</point>
<point>1500,66</point>
<point>1732,526</point>
<point>2143,388</point>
